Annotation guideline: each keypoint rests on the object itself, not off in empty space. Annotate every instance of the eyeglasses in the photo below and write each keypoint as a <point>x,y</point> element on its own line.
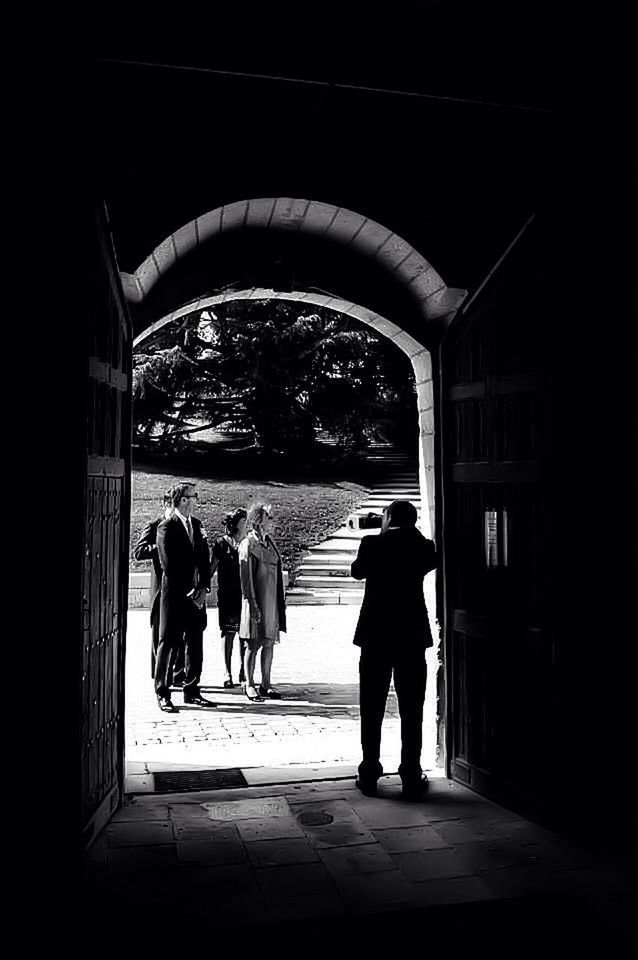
<point>190,496</point>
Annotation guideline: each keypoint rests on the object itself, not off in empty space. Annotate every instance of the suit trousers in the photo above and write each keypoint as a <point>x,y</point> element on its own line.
<point>376,667</point>
<point>178,672</point>
<point>190,640</point>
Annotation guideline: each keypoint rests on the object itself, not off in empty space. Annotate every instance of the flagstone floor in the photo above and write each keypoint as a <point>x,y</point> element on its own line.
<point>292,865</point>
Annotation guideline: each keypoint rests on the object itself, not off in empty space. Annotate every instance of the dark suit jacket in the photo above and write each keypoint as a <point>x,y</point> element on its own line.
<point>179,559</point>
<point>393,613</point>
<point>146,549</point>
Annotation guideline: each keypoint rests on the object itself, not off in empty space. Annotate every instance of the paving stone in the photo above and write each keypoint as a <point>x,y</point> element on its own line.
<point>380,813</point>
<point>405,839</point>
<point>305,907</point>
<point>272,829</point>
<point>134,810</point>
<point>292,881</point>
<point>211,852</point>
<point>220,887</point>
<point>279,852</point>
<point>296,804</point>
<point>519,881</point>
<point>140,833</point>
<point>136,766</point>
<point>454,832</point>
<point>258,808</point>
<point>486,855</point>
<point>356,860</point>
<point>521,830</point>
<point>188,811</point>
<point>142,859</point>
<point>340,834</point>
<point>338,810</point>
<point>453,890</point>
<point>375,891</point>
<point>196,829</point>
<point>139,783</point>
<point>434,864</point>
<point>160,766</point>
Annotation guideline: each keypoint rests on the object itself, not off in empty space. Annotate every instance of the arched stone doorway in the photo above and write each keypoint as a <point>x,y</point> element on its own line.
<point>435,303</point>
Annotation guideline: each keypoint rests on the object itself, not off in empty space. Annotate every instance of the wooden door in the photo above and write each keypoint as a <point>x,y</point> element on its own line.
<point>106,524</point>
<point>496,427</point>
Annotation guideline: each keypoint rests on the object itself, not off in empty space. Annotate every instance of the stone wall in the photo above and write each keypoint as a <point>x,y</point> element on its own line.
<point>139,583</point>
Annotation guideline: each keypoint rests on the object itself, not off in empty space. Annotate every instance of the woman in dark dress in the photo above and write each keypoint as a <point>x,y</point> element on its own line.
<point>225,560</point>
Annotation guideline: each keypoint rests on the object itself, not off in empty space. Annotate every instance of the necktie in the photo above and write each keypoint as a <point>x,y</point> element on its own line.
<point>189,527</point>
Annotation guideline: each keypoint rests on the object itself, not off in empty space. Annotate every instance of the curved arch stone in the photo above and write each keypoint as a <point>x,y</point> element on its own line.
<point>345,227</point>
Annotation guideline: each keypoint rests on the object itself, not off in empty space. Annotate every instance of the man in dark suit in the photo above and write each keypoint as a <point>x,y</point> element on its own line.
<point>393,632</point>
<point>146,549</point>
<point>185,561</point>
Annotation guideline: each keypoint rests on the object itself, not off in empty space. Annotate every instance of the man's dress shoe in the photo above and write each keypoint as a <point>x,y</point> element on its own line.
<point>166,705</point>
<point>416,790</point>
<point>268,693</point>
<point>367,787</point>
<point>199,701</point>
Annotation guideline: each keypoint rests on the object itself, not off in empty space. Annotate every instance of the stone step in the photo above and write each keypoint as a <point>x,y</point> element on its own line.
<point>352,533</point>
<point>339,545</point>
<point>325,569</point>
<point>327,557</point>
<point>321,597</point>
<point>380,505</point>
<point>316,582</point>
<point>396,491</point>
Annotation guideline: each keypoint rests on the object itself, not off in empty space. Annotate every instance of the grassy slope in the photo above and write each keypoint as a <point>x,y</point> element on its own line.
<point>304,513</point>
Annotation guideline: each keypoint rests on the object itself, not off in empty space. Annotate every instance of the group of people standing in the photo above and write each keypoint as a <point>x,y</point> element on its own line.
<point>251,599</point>
<point>393,629</point>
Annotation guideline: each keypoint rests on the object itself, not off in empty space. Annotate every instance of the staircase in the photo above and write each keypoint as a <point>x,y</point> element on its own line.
<point>324,574</point>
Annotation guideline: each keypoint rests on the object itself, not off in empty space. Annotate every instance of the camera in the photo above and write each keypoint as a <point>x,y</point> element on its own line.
<point>368,521</point>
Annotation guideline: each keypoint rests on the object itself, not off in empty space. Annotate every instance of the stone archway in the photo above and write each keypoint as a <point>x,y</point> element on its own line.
<point>418,355</point>
<point>435,302</point>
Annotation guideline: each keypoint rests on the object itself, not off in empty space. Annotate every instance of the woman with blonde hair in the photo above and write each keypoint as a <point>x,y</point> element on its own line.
<point>263,613</point>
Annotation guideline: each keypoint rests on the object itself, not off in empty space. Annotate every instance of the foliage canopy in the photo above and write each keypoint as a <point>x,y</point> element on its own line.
<point>266,369</point>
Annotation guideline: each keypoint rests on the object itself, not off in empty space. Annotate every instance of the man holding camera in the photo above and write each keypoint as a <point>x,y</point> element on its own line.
<point>393,632</point>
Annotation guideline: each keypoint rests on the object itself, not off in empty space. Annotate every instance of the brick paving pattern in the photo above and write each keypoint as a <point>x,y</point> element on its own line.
<point>317,721</point>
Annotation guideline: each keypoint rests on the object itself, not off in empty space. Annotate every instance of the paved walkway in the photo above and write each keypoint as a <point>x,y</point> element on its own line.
<point>317,721</point>
<point>274,869</point>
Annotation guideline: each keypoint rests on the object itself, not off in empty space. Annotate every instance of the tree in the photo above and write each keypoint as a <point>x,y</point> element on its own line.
<point>262,367</point>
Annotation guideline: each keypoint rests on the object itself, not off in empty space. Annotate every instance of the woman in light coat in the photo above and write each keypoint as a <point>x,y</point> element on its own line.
<point>263,613</point>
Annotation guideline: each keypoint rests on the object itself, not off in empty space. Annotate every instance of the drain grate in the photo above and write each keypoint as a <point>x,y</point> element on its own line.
<point>181,781</point>
<point>314,818</point>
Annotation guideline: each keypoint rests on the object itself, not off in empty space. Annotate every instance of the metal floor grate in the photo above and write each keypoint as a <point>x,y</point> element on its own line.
<point>181,781</point>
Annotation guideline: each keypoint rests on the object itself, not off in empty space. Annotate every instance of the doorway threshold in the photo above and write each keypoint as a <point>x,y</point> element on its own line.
<point>145,782</point>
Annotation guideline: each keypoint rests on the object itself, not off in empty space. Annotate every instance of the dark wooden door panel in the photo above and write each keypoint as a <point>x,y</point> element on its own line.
<point>105,570</point>
<point>496,542</point>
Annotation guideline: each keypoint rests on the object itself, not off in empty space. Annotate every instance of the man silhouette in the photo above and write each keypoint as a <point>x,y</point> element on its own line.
<point>146,549</point>
<point>393,632</point>
<point>185,560</point>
